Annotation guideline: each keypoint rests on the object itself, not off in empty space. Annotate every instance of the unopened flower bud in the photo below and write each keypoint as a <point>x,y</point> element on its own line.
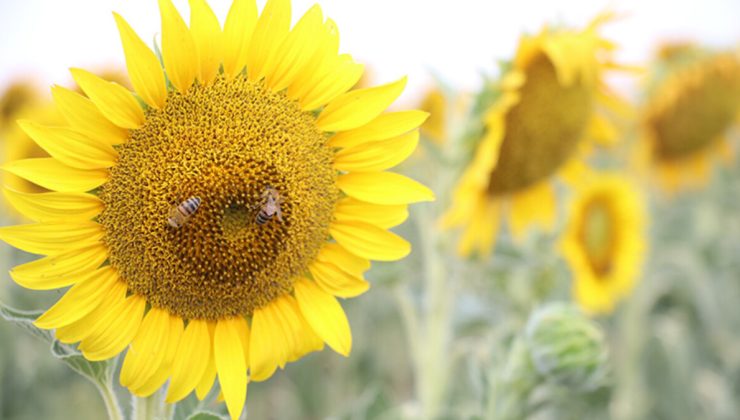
<point>566,347</point>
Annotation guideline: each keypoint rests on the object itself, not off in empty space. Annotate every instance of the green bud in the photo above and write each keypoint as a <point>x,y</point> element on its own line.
<point>567,348</point>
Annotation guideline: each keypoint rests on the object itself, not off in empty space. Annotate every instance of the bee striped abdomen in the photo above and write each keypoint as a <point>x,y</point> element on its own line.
<point>180,214</point>
<point>263,217</point>
<point>270,206</point>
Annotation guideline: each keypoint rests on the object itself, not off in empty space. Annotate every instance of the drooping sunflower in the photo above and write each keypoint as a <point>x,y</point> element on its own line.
<point>208,220</point>
<point>545,108</point>
<point>604,241</point>
<point>693,99</point>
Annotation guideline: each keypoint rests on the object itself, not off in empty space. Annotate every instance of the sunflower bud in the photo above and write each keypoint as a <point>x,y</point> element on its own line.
<point>566,347</point>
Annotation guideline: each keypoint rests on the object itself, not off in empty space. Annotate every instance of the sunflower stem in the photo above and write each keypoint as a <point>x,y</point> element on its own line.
<point>110,400</point>
<point>149,408</point>
<point>169,411</point>
<point>429,326</point>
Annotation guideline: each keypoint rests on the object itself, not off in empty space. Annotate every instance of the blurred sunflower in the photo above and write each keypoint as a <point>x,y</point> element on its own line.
<point>16,97</point>
<point>253,121</point>
<point>604,241</point>
<point>435,103</point>
<point>693,99</point>
<point>543,109</point>
<point>22,99</point>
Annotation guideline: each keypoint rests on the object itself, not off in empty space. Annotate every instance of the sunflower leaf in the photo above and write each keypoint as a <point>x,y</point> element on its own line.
<point>188,407</point>
<point>97,372</point>
<point>24,319</point>
<point>206,415</point>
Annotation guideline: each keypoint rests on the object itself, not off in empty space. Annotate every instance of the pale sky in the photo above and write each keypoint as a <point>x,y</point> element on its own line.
<point>455,40</point>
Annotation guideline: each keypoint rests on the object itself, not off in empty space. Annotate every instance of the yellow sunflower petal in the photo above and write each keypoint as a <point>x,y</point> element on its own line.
<point>70,146</point>
<point>143,67</point>
<point>343,75</point>
<point>61,270</point>
<point>271,28</point>
<point>163,370</point>
<point>304,339</point>
<point>147,350</point>
<point>296,51</point>
<point>119,329</point>
<point>55,206</point>
<point>321,63</point>
<point>369,241</point>
<point>358,107</point>
<point>79,300</point>
<point>308,340</point>
<point>384,217</point>
<point>383,188</point>
<point>179,53</point>
<point>238,31</point>
<point>82,114</point>
<point>52,238</point>
<point>114,101</point>
<point>244,335</point>
<point>209,377</point>
<point>385,126</point>
<point>337,282</point>
<point>232,371</point>
<point>92,324</point>
<point>54,175</point>
<point>533,206</point>
<point>335,254</point>
<point>325,316</point>
<point>206,32</point>
<point>191,361</point>
<point>482,231</point>
<point>289,321</point>
<point>377,155</point>
<point>267,343</point>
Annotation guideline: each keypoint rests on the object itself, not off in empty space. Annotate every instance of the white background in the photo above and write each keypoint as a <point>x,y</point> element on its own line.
<point>455,40</point>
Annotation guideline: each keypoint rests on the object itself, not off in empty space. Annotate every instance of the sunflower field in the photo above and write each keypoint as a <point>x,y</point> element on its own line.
<point>238,219</point>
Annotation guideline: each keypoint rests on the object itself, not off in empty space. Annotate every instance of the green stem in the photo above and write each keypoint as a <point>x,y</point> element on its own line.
<point>169,411</point>
<point>512,385</point>
<point>433,342</point>
<point>111,402</point>
<point>149,408</point>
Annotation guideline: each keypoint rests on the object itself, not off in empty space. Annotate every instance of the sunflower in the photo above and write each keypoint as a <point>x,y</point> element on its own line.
<point>604,241</point>
<point>693,101</point>
<point>22,99</point>
<point>545,107</point>
<point>435,103</point>
<point>208,220</point>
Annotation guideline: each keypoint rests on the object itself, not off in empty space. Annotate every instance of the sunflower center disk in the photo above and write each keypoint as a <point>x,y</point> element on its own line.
<point>705,105</point>
<point>598,235</point>
<point>542,130</point>
<point>226,144</point>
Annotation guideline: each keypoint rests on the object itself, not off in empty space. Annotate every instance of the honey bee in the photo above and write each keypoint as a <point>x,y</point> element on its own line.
<point>180,214</point>
<point>271,201</point>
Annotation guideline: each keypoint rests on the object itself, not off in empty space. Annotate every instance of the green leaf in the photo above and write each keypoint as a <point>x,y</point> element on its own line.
<point>24,319</point>
<point>98,372</point>
<point>206,415</point>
